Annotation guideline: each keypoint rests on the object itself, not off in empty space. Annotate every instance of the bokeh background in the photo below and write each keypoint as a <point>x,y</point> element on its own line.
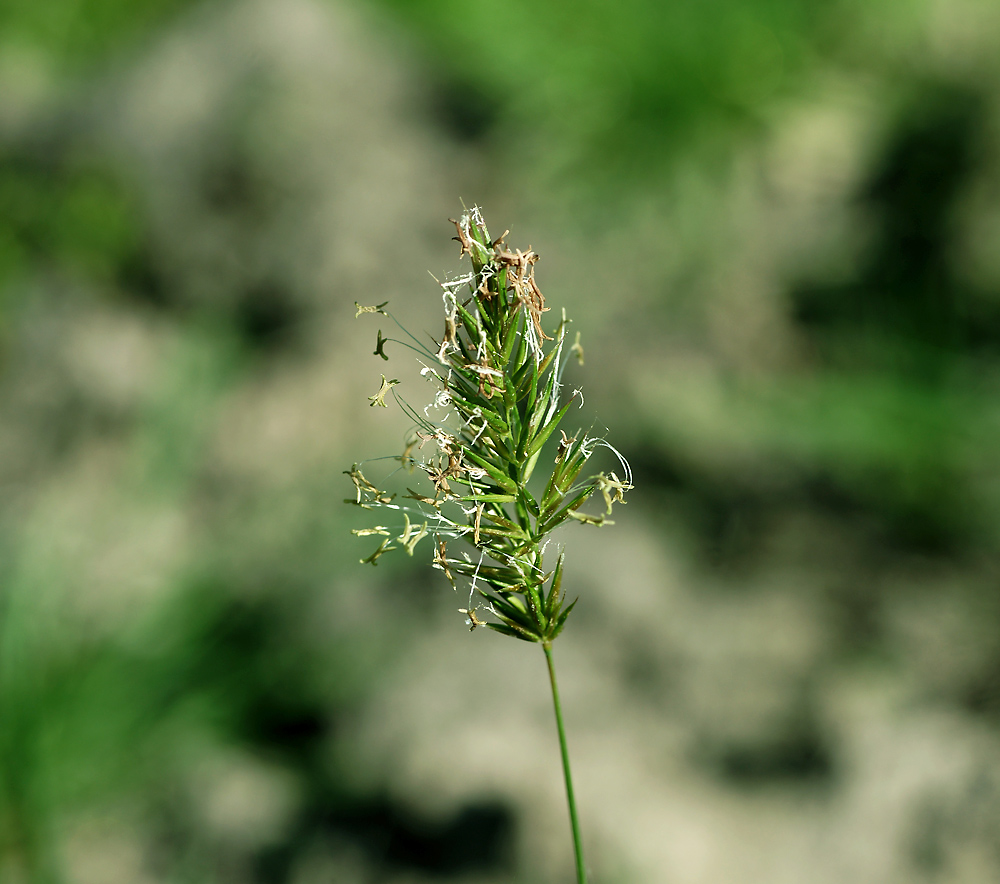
<point>776,224</point>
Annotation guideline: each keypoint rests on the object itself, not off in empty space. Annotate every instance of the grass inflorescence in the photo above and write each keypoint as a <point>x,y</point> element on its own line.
<point>498,400</point>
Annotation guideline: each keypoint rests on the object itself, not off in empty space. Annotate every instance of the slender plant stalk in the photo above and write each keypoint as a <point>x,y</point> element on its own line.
<point>497,374</point>
<point>581,874</point>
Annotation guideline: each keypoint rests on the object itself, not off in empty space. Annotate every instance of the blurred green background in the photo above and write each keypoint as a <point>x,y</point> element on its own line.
<point>776,225</point>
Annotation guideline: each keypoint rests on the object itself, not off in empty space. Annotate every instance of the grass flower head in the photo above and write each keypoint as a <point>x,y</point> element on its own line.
<point>498,399</point>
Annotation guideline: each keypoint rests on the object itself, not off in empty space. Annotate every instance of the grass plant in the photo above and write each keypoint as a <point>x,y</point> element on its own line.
<point>498,400</point>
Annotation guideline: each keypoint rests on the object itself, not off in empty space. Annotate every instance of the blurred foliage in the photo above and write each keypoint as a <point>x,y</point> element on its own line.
<point>608,98</point>
<point>894,409</point>
<point>62,217</point>
<point>61,207</point>
<point>626,86</point>
<point>78,36</point>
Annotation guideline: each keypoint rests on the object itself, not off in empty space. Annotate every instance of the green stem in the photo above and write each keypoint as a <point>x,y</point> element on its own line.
<point>581,875</point>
